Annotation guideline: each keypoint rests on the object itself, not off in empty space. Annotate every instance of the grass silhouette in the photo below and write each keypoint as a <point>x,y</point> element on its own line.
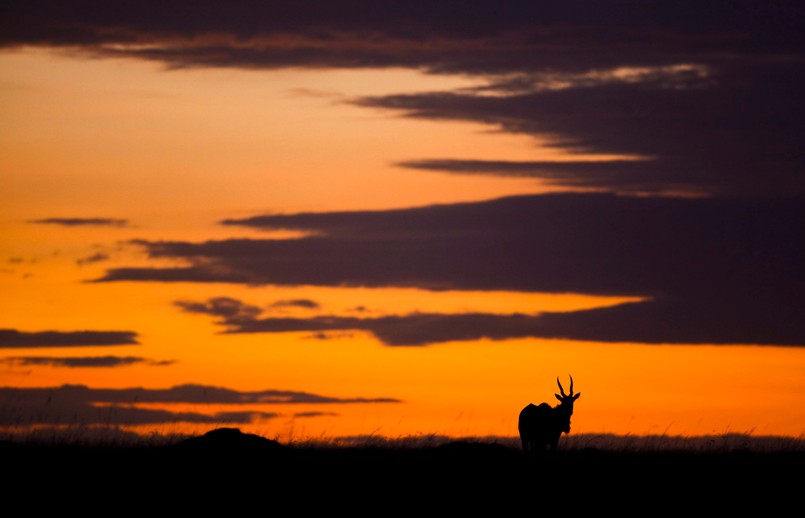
<point>419,475</point>
<point>113,436</point>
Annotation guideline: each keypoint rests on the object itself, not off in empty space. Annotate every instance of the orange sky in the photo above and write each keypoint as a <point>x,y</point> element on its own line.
<point>166,155</point>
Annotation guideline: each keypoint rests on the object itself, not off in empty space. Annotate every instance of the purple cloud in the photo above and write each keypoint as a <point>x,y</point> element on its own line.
<point>83,222</point>
<point>720,269</point>
<point>82,362</point>
<point>12,338</point>
<point>80,405</point>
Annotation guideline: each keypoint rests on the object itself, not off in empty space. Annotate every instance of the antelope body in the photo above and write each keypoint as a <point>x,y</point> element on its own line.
<point>540,426</point>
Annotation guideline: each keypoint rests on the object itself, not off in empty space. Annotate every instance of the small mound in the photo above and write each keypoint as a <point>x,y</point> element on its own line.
<point>229,439</point>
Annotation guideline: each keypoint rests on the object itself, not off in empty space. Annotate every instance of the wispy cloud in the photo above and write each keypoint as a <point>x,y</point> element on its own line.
<point>295,303</point>
<point>13,338</point>
<point>228,308</point>
<point>82,222</point>
<point>80,405</point>
<point>92,259</point>
<point>82,362</point>
<point>315,414</point>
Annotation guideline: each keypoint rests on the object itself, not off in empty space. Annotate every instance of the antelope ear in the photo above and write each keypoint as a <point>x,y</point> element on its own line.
<point>576,396</point>
<point>558,397</point>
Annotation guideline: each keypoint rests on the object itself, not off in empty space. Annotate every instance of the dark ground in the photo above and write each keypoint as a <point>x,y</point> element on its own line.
<point>236,473</point>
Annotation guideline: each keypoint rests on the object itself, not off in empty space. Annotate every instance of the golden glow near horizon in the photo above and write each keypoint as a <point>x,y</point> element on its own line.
<point>175,152</point>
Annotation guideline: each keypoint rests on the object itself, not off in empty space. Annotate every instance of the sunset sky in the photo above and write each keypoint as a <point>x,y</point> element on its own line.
<point>328,218</point>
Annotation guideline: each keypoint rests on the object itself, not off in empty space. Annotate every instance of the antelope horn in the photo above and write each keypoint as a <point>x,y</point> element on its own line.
<point>571,384</point>
<point>561,390</point>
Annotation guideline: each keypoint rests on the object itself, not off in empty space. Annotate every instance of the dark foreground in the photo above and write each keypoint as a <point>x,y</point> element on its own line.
<point>239,474</point>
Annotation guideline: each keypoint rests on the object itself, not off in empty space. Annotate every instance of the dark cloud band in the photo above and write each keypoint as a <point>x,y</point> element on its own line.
<point>664,321</point>
<point>713,268</point>
<point>735,132</point>
<point>12,338</point>
<point>79,405</point>
<point>445,36</point>
<point>709,98</point>
<point>83,222</point>
<point>80,362</point>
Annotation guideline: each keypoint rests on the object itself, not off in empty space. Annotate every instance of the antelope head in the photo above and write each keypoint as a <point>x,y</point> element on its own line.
<point>566,404</point>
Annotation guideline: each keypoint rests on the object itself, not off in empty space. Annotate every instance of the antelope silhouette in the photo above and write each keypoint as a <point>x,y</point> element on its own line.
<point>540,426</point>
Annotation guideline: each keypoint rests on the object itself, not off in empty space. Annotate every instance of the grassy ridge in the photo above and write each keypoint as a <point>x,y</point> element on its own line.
<point>84,436</point>
<point>387,478</point>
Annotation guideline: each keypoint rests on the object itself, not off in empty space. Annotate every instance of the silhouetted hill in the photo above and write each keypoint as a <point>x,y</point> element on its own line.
<point>228,439</point>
